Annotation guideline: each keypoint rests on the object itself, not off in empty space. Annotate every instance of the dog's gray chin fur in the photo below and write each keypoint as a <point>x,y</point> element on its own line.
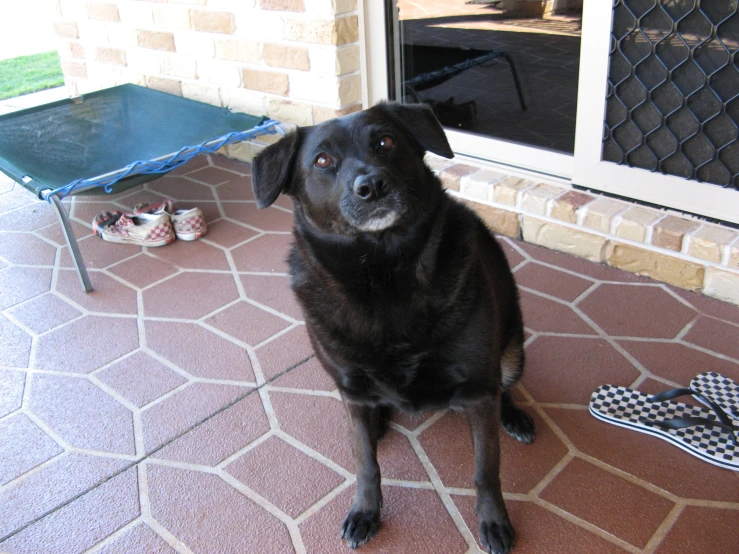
<point>374,224</point>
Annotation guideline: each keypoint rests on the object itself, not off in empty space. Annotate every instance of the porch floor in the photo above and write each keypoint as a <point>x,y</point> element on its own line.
<point>178,407</point>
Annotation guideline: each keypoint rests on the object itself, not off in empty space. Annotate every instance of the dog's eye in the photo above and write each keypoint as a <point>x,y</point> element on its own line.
<point>387,143</point>
<point>323,160</point>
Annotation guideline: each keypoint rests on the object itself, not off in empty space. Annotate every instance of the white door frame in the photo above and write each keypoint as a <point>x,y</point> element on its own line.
<point>540,160</point>
<point>585,168</point>
<point>592,172</point>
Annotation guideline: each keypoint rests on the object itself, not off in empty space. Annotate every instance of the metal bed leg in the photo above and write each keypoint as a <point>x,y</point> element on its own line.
<point>516,82</point>
<point>74,248</point>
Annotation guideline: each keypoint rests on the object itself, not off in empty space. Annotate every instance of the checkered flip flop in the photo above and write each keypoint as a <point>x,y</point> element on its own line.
<point>707,434</point>
<point>722,390</point>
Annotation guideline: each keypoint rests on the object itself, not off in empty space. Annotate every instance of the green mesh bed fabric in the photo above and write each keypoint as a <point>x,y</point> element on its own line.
<point>50,146</point>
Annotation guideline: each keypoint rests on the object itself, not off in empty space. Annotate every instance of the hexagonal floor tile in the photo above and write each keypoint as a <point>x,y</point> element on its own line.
<point>629,311</point>
<point>55,234</point>
<point>98,253</point>
<point>594,495</point>
<point>87,343</point>
<point>12,384</point>
<point>184,409</point>
<point>709,306</point>
<point>247,323</point>
<point>268,219</point>
<point>199,351</point>
<point>293,485</point>
<point>308,376</point>
<point>24,447</point>
<point>540,531</point>
<point>542,314</point>
<point>317,421</point>
<point>700,529</point>
<point>568,369</point>
<point>208,515</point>
<point>212,175</point>
<point>192,255</point>
<point>82,414</point>
<point>267,253</point>
<point>18,284</point>
<point>221,436</point>
<point>182,296</point>
<point>15,344</point>
<point>50,486</point>
<point>448,444</point>
<point>717,336</point>
<point>109,295</point>
<point>678,362</point>
<point>139,539</point>
<point>230,163</point>
<point>12,200</point>
<point>89,209</point>
<point>141,196</point>
<point>284,352</point>
<point>228,234</point>
<point>646,457</point>
<point>551,282</point>
<point>26,249</point>
<point>412,520</point>
<point>273,291</point>
<point>238,189</point>
<point>513,256</point>
<point>140,378</point>
<point>44,312</point>
<point>28,218</point>
<point>85,521</point>
<point>320,423</point>
<point>143,270</point>
<point>182,189</point>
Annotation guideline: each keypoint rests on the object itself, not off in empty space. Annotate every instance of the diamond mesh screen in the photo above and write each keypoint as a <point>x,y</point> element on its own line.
<point>673,88</point>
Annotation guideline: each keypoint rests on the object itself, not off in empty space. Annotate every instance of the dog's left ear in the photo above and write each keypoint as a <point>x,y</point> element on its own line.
<point>272,169</point>
<point>420,123</point>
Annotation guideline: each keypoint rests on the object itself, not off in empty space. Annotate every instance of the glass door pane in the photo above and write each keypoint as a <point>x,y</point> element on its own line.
<point>503,69</point>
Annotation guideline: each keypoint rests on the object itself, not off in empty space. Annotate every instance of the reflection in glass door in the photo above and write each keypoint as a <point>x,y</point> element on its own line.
<point>503,69</point>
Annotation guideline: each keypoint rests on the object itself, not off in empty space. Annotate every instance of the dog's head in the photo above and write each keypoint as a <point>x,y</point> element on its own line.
<point>361,173</point>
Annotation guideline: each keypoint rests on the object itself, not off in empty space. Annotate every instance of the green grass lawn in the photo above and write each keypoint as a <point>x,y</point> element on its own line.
<point>26,74</point>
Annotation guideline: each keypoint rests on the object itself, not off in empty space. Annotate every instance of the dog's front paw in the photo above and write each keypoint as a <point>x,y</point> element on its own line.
<point>359,527</point>
<point>497,537</point>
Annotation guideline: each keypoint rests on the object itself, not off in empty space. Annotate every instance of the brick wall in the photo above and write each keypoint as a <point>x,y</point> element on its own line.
<point>294,60</point>
<point>670,247</point>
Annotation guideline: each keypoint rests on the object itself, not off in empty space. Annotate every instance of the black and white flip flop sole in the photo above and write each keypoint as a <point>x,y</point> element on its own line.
<point>638,411</point>
<point>721,390</point>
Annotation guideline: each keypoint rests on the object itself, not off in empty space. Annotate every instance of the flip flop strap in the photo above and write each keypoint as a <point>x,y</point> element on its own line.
<point>724,422</point>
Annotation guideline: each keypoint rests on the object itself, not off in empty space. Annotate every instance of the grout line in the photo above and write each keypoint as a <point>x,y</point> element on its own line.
<point>97,547</point>
<point>664,528</point>
<point>595,530</point>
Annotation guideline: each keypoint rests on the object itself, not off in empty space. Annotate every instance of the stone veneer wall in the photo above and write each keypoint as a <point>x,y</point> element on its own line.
<point>664,245</point>
<point>296,61</point>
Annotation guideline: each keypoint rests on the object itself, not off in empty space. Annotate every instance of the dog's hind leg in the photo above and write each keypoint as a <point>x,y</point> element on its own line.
<point>516,422</point>
<point>363,520</point>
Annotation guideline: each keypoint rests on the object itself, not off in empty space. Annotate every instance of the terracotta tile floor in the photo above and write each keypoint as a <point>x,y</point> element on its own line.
<point>178,408</point>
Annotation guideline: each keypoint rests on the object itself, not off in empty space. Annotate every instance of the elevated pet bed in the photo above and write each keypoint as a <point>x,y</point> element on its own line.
<point>111,140</point>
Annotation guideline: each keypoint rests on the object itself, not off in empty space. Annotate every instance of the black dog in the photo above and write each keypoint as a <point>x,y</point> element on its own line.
<point>408,299</point>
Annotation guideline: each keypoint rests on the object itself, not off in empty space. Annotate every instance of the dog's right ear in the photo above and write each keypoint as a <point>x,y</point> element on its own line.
<point>272,169</point>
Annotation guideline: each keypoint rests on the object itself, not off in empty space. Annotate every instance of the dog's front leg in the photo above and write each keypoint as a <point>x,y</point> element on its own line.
<point>363,519</point>
<point>496,532</point>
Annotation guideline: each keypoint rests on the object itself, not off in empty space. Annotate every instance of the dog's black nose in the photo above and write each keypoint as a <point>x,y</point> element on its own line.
<point>369,187</point>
